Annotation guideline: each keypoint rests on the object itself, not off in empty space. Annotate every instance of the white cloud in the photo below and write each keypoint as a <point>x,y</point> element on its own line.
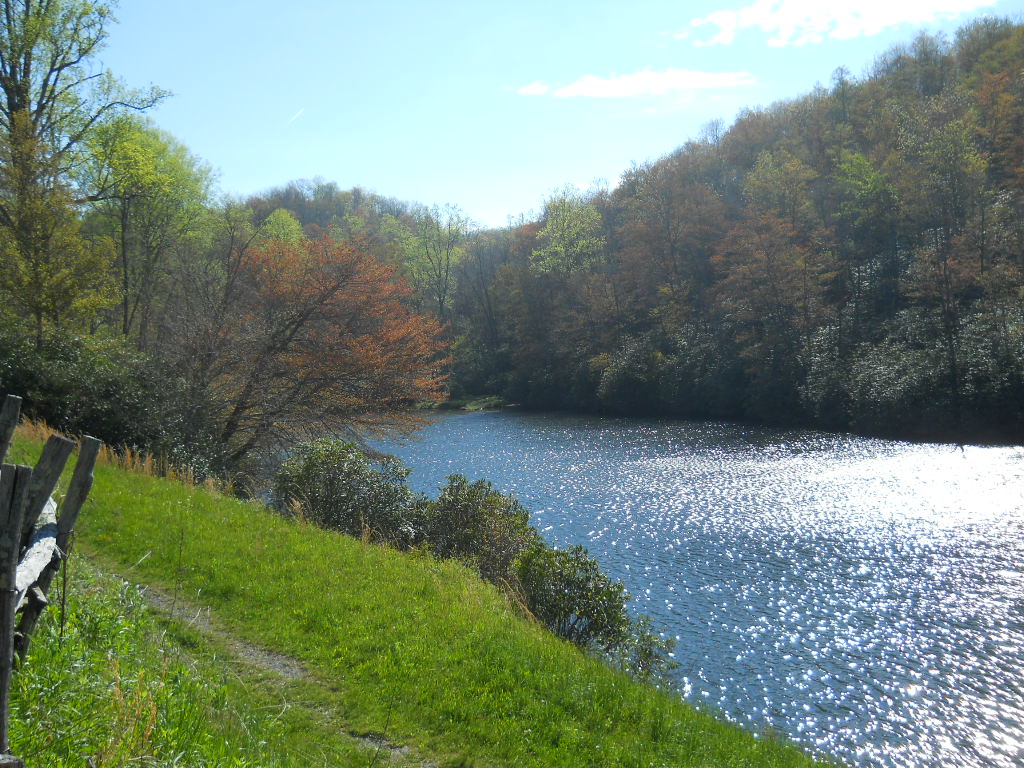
<point>533,89</point>
<point>798,22</point>
<point>646,83</point>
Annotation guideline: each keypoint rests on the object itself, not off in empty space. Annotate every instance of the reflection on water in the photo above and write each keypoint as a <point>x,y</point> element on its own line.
<point>865,597</point>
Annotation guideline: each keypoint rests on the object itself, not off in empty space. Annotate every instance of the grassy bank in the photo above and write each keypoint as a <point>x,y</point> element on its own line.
<point>420,652</point>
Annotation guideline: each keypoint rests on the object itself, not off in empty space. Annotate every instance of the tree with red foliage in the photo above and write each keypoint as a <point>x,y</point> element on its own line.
<point>296,338</point>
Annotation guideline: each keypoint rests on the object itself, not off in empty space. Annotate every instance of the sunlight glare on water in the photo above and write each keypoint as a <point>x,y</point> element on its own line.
<point>864,597</point>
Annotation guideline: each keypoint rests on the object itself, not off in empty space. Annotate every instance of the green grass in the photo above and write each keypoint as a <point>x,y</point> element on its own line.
<point>109,683</point>
<point>420,651</point>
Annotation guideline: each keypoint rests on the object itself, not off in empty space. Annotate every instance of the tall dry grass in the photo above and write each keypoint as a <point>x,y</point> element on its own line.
<point>133,460</point>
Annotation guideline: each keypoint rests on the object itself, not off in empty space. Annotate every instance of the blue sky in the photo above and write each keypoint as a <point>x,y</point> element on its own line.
<point>488,106</point>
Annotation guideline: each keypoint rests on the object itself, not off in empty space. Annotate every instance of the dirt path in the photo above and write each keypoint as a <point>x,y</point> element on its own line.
<point>286,667</point>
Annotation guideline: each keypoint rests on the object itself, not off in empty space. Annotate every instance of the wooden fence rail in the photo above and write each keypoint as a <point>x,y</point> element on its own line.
<point>34,541</point>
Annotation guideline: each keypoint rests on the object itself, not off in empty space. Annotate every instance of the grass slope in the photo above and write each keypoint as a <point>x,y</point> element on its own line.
<point>421,652</point>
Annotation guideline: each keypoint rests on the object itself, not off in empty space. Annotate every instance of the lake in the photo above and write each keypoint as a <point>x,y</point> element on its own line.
<point>864,597</point>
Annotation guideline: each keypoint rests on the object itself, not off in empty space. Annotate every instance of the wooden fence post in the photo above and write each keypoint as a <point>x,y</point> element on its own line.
<point>78,490</point>
<point>44,479</point>
<point>9,415</point>
<point>14,490</point>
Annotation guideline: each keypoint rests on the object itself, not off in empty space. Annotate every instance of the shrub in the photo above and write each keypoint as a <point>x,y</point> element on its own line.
<point>825,388</point>
<point>702,376</point>
<point>899,386</point>
<point>338,486</point>
<point>480,525</point>
<point>104,387</point>
<point>567,591</point>
<point>643,653</point>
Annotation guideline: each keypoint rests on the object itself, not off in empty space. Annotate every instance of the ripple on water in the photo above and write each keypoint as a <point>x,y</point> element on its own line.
<point>864,596</point>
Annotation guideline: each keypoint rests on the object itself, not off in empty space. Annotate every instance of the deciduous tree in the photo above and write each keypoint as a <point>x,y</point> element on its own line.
<point>48,271</point>
<point>52,97</point>
<point>151,192</point>
<point>434,252</point>
<point>571,238</point>
<point>294,338</point>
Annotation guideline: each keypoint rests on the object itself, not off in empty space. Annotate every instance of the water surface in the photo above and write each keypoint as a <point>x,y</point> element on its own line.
<point>865,597</point>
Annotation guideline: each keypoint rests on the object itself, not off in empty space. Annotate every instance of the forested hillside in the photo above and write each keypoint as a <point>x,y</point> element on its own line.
<point>850,259</point>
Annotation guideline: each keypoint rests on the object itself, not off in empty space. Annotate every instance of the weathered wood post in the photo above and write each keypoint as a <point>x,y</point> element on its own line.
<point>44,480</point>
<point>14,482</point>
<point>78,490</point>
<point>14,490</point>
<point>9,415</point>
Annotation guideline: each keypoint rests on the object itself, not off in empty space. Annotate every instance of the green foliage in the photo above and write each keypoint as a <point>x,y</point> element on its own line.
<point>477,524</point>
<point>432,253</point>
<point>337,486</point>
<point>643,653</point>
<point>152,192</point>
<point>568,592</point>
<point>65,97</point>
<point>571,238</point>
<point>701,375</point>
<point>49,273</point>
<point>901,384</point>
<point>134,160</point>
<point>870,202</point>
<point>825,392</point>
<point>103,387</point>
<point>630,380</point>
<point>334,484</point>
<point>51,103</point>
<point>891,380</point>
<point>282,225</point>
<point>779,270</point>
<point>779,181</point>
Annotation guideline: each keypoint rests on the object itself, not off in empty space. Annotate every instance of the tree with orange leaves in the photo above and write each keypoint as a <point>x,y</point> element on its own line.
<point>293,338</point>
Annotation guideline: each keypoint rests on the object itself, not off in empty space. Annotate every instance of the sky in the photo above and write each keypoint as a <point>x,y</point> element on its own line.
<point>490,106</point>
